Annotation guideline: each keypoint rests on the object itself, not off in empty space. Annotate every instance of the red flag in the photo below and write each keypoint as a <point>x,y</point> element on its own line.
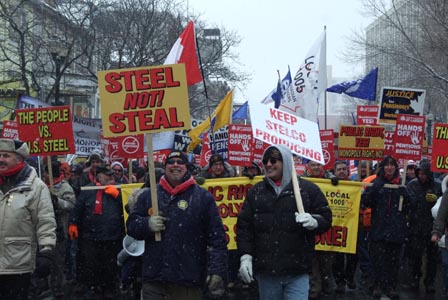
<point>184,51</point>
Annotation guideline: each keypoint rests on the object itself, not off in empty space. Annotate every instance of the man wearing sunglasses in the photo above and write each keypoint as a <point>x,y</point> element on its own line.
<point>193,248</point>
<point>275,241</point>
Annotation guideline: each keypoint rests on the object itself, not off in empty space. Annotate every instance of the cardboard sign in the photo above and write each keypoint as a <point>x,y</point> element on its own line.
<point>408,137</point>
<point>144,100</point>
<point>396,101</point>
<point>240,145</point>
<point>277,127</point>
<point>47,131</point>
<point>367,115</point>
<point>439,161</point>
<point>361,142</point>
<point>10,130</point>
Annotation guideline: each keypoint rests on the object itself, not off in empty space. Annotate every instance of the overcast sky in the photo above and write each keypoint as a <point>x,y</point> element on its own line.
<point>279,33</point>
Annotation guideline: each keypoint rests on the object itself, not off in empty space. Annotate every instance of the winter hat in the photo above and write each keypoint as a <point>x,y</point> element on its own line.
<point>55,168</point>
<point>65,168</point>
<point>117,163</point>
<point>15,146</point>
<point>272,152</point>
<point>96,154</point>
<point>215,158</point>
<point>176,153</point>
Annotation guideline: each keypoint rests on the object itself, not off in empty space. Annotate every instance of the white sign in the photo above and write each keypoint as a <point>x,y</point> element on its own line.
<point>277,127</point>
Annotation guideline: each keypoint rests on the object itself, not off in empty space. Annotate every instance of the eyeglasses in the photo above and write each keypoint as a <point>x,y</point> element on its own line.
<point>173,161</point>
<point>271,160</point>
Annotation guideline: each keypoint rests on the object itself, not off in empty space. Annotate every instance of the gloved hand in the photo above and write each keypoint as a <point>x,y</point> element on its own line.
<point>43,264</point>
<point>334,180</point>
<point>250,176</point>
<point>306,220</point>
<point>215,286</point>
<point>403,191</point>
<point>112,190</point>
<point>156,223</point>
<point>246,268</point>
<point>73,231</point>
<point>431,197</point>
<point>199,180</point>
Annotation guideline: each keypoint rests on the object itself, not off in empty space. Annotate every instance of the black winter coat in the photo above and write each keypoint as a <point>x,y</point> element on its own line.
<point>267,229</point>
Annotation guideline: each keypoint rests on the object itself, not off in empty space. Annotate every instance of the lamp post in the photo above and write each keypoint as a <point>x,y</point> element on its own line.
<point>58,61</point>
<point>429,120</point>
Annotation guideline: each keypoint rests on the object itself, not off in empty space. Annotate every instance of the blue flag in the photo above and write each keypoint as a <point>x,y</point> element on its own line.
<point>241,113</point>
<point>278,93</point>
<point>364,88</point>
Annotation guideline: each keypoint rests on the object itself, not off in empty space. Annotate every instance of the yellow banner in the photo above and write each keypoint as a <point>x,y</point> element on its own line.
<point>126,191</point>
<point>230,193</point>
<point>344,200</point>
<point>144,100</point>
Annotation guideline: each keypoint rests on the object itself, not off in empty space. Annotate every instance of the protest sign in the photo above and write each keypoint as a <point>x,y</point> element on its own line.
<point>439,161</point>
<point>276,127</point>
<point>408,137</point>
<point>10,130</point>
<point>47,131</point>
<point>240,145</point>
<point>327,140</point>
<point>361,142</point>
<point>367,115</point>
<point>144,100</point>
<point>396,101</point>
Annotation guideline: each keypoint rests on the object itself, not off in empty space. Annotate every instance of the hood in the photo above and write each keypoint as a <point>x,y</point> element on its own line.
<point>287,167</point>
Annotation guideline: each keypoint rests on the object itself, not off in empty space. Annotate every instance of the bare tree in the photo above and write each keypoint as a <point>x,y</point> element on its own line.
<point>408,42</point>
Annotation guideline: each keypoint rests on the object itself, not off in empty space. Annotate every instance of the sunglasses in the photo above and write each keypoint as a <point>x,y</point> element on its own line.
<point>271,160</point>
<point>173,161</point>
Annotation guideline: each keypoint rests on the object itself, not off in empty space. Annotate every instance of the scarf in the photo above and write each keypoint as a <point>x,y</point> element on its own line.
<point>55,180</point>
<point>179,188</point>
<point>13,171</point>
<point>391,179</point>
<point>98,210</point>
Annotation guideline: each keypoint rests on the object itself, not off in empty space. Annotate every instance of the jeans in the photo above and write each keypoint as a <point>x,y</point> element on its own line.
<point>283,287</point>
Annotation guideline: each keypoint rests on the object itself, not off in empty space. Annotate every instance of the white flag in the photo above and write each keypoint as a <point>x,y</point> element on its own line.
<point>309,83</point>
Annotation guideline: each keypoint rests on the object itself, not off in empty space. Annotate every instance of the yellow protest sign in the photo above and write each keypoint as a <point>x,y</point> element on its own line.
<point>144,100</point>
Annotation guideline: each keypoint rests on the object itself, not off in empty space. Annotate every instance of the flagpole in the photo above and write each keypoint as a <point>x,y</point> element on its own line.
<point>325,90</point>
<point>205,88</point>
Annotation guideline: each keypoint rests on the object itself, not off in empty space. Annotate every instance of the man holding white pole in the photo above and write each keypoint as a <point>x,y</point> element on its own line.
<point>276,239</point>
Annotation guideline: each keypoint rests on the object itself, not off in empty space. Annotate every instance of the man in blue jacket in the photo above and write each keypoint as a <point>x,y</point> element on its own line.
<point>192,251</point>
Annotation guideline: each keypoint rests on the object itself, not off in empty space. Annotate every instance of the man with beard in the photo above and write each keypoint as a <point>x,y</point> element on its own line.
<point>192,250</point>
<point>28,226</point>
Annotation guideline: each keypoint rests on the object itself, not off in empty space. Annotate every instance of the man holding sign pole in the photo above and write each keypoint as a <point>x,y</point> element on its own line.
<point>275,240</point>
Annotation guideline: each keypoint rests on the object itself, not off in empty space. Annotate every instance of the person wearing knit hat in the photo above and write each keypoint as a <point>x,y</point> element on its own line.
<point>410,170</point>
<point>217,168</point>
<point>28,222</point>
<point>120,177</point>
<point>193,247</point>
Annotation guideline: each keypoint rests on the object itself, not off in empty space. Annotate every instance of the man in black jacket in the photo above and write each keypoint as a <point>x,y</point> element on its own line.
<point>278,242</point>
<point>97,219</point>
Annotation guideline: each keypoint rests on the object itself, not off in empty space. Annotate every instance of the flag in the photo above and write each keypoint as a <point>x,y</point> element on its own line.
<point>241,113</point>
<point>302,97</point>
<point>184,51</point>
<point>364,88</point>
<point>219,118</point>
<point>277,94</point>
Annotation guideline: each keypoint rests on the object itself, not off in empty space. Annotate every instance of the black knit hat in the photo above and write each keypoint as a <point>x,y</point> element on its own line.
<point>214,159</point>
<point>272,152</point>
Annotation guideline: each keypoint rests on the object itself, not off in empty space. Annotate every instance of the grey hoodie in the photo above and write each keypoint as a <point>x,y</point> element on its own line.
<point>287,168</point>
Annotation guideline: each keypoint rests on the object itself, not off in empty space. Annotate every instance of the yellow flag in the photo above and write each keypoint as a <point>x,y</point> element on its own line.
<point>221,117</point>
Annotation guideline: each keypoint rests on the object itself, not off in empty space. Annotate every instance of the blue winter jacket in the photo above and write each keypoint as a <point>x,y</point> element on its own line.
<point>193,244</point>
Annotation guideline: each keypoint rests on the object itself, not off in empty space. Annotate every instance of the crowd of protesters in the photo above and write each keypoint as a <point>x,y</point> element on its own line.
<point>69,230</point>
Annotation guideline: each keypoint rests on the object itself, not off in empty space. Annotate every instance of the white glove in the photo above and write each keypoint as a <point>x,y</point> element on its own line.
<point>246,268</point>
<point>307,220</point>
<point>156,223</point>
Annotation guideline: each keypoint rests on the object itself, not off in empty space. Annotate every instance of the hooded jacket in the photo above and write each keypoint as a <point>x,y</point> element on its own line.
<point>266,226</point>
<point>27,222</point>
<point>421,217</point>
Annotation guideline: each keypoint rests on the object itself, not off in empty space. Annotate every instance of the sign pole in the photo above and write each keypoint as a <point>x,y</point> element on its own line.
<point>295,185</point>
<point>152,181</point>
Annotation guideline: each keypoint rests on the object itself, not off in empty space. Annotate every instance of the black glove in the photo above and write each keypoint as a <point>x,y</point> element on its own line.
<point>403,191</point>
<point>334,181</point>
<point>44,260</point>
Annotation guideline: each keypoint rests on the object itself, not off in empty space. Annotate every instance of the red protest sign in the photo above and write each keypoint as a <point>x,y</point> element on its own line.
<point>240,145</point>
<point>258,150</point>
<point>439,162</point>
<point>47,131</point>
<point>389,147</point>
<point>367,115</point>
<point>327,140</point>
<point>10,130</point>
<point>408,137</point>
